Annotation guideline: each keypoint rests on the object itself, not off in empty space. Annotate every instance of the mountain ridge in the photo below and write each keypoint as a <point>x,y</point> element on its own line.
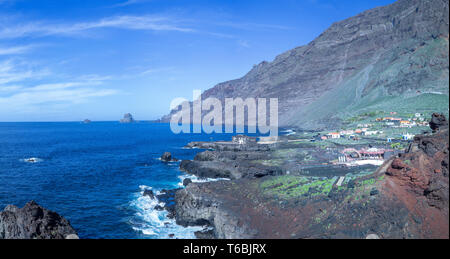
<point>395,51</point>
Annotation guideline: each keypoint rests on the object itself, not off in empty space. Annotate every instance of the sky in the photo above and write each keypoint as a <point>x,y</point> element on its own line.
<point>68,60</point>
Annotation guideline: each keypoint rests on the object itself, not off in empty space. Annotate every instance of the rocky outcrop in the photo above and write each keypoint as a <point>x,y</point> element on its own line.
<point>229,160</point>
<point>438,120</point>
<point>205,234</point>
<point>187,181</point>
<point>34,222</point>
<point>168,198</point>
<point>167,157</point>
<point>231,169</point>
<point>127,118</point>
<point>149,193</point>
<point>197,206</point>
<point>420,178</point>
<point>227,146</point>
<point>207,169</point>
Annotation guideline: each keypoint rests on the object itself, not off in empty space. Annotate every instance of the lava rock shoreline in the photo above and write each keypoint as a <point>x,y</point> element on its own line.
<point>34,222</point>
<point>407,197</point>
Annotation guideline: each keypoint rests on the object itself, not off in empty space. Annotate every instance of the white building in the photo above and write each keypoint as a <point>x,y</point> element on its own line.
<point>370,133</point>
<point>347,132</point>
<point>407,136</point>
<point>333,135</point>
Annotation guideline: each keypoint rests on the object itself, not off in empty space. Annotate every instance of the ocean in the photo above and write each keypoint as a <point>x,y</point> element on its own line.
<point>94,174</point>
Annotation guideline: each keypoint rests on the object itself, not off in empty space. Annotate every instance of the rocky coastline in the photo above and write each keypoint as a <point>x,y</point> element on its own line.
<point>254,195</point>
<point>406,197</point>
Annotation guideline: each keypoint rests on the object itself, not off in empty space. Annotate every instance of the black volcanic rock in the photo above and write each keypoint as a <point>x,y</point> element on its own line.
<point>438,120</point>
<point>149,193</point>
<point>168,198</point>
<point>127,118</point>
<point>167,157</point>
<point>210,169</point>
<point>205,234</point>
<point>187,181</point>
<point>34,222</point>
<point>229,164</point>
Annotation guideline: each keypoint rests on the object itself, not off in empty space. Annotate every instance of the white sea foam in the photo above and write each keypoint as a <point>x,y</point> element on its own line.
<point>32,160</point>
<point>289,132</point>
<point>154,223</point>
<point>196,179</point>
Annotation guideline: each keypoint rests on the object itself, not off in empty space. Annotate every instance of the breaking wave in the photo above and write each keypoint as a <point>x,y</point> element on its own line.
<point>32,160</point>
<point>196,179</point>
<point>153,223</point>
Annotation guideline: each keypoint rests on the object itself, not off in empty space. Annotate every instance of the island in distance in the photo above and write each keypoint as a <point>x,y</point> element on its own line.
<point>127,118</point>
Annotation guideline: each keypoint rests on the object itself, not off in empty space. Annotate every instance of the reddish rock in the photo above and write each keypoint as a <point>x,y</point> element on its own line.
<point>420,181</point>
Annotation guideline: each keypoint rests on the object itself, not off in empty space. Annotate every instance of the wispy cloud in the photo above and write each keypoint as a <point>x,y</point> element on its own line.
<point>13,29</point>
<point>39,28</point>
<point>252,26</point>
<point>18,94</point>
<point>14,50</point>
<point>11,88</point>
<point>156,70</point>
<point>130,2</point>
<point>17,71</point>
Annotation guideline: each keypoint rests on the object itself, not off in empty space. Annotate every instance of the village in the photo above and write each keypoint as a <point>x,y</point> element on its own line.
<point>369,139</point>
<point>379,128</point>
<point>378,137</point>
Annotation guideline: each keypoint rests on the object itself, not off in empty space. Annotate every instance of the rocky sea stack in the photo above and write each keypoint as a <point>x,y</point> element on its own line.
<point>34,222</point>
<point>167,157</point>
<point>127,118</point>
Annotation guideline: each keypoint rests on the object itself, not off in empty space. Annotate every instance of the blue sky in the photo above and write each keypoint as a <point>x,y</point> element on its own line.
<point>68,60</point>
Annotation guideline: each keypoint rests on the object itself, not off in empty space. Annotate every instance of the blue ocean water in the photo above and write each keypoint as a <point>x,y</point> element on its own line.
<point>94,174</point>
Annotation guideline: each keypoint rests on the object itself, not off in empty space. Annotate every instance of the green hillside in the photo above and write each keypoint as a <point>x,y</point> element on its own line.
<point>406,79</point>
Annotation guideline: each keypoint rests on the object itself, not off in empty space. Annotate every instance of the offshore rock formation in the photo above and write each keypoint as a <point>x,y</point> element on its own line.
<point>379,59</point>
<point>167,157</point>
<point>127,118</point>
<point>407,197</point>
<point>34,222</point>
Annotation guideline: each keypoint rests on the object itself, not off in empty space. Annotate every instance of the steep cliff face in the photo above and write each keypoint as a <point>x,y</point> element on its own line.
<point>396,51</point>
